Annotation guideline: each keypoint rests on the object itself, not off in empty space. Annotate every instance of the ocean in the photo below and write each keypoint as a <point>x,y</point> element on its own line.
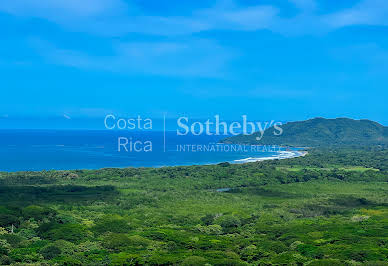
<point>35,150</point>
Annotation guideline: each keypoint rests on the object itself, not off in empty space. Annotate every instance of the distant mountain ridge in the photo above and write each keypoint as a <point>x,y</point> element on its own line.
<point>320,131</point>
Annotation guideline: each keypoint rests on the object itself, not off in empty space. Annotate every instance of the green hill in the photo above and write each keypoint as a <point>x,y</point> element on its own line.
<point>319,132</point>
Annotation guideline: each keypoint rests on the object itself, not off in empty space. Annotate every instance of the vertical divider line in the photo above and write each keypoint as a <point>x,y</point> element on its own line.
<point>164,133</point>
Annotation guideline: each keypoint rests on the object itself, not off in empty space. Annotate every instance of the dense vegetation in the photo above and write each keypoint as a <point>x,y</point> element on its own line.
<point>320,132</point>
<point>327,208</point>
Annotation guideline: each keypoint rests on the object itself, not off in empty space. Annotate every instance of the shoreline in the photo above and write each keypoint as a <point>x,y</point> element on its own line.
<point>280,156</point>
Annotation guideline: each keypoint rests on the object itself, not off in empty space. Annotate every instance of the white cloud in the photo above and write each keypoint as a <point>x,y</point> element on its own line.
<point>92,16</point>
<point>56,9</point>
<point>115,17</point>
<point>237,18</point>
<point>197,58</point>
<point>118,17</point>
<point>367,12</point>
<point>190,57</point>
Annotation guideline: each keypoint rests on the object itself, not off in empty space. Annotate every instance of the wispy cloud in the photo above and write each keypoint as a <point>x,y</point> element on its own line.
<point>199,58</point>
<point>118,17</point>
<point>366,12</point>
<point>312,22</point>
<point>256,93</point>
<point>93,16</point>
<point>59,9</point>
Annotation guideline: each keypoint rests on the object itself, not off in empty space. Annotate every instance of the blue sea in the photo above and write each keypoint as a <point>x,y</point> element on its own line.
<point>35,150</point>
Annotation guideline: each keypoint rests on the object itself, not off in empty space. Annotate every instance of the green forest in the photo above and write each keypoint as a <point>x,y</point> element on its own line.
<point>327,208</point>
<point>319,132</point>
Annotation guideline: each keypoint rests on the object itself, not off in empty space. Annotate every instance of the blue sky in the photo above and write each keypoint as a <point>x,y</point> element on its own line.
<point>270,59</point>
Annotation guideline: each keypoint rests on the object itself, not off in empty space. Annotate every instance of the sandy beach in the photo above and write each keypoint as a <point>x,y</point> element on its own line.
<point>281,155</point>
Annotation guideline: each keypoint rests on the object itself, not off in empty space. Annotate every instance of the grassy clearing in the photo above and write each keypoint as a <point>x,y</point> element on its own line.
<point>296,168</point>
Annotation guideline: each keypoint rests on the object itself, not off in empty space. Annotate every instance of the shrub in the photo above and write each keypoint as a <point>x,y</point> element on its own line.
<point>8,220</point>
<point>229,223</point>
<point>88,246</point>
<point>5,247</point>
<point>3,231</point>
<point>49,252</point>
<point>194,261</point>
<point>68,232</point>
<point>36,212</point>
<point>116,242</point>
<point>5,260</point>
<point>25,255</point>
<point>66,247</point>
<point>112,223</point>
<point>208,219</point>
<point>126,259</point>
<point>213,229</point>
<point>13,239</point>
<point>139,241</point>
<point>309,251</point>
<point>27,233</point>
<point>326,262</point>
<point>295,244</point>
<point>67,260</point>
